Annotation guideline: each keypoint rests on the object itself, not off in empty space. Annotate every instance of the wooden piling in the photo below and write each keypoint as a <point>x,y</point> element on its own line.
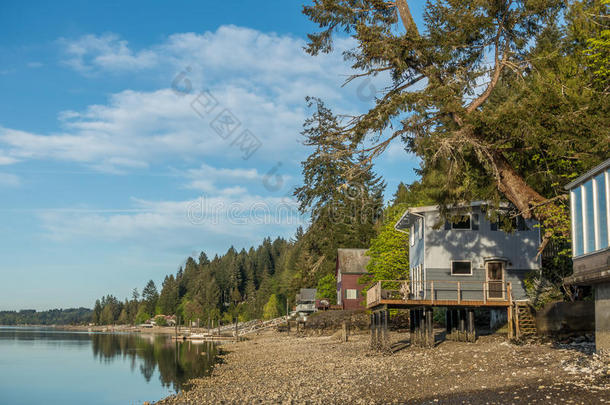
<point>462,332</point>
<point>471,335</point>
<point>509,317</point>
<point>429,327</point>
<point>385,338</point>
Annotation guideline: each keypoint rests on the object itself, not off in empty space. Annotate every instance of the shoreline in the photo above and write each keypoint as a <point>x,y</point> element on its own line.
<point>276,368</point>
<point>161,330</point>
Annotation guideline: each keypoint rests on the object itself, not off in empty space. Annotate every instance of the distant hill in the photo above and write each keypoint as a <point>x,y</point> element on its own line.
<point>69,316</point>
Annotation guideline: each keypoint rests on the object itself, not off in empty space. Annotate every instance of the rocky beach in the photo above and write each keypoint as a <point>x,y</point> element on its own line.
<point>279,368</point>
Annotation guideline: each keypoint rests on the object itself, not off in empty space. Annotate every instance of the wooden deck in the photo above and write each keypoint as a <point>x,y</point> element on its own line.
<point>400,294</point>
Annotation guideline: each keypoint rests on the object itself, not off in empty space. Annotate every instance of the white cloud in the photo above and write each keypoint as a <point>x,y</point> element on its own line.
<point>35,65</point>
<point>207,218</point>
<point>260,78</point>
<point>106,52</point>
<point>220,180</point>
<point>9,180</point>
<point>6,160</point>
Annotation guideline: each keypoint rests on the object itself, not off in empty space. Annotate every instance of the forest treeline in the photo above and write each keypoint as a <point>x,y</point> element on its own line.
<point>261,282</point>
<point>70,316</point>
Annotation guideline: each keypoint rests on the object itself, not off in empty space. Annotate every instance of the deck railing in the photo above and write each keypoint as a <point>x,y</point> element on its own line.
<point>439,291</point>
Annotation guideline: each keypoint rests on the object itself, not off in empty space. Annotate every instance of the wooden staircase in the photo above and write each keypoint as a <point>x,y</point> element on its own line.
<point>525,322</point>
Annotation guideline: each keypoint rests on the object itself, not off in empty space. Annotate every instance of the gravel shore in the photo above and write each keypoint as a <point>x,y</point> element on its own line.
<point>276,368</point>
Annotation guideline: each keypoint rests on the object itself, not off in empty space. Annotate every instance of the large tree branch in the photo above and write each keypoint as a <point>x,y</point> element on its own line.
<point>406,17</point>
<point>499,64</point>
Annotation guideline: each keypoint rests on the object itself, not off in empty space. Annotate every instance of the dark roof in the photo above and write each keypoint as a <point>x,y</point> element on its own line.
<point>306,294</point>
<point>352,261</point>
<point>593,172</point>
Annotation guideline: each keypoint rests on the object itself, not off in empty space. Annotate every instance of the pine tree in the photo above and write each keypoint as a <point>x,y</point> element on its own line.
<point>271,309</point>
<point>150,297</point>
<point>168,299</point>
<point>491,94</point>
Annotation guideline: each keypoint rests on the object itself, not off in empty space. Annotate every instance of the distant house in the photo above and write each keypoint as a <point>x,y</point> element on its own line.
<point>351,265</point>
<point>590,212</point>
<point>170,320</point>
<point>473,251</point>
<point>306,300</point>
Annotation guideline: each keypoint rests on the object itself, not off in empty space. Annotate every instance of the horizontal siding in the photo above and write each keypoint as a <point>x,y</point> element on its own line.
<point>442,246</point>
<point>516,277</point>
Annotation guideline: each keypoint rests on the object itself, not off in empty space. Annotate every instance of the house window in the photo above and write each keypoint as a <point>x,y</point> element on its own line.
<point>351,294</point>
<point>589,216</point>
<point>510,225</point>
<point>602,212</point>
<point>421,228</point>
<point>412,235</point>
<point>577,224</point>
<point>463,223</point>
<point>461,268</point>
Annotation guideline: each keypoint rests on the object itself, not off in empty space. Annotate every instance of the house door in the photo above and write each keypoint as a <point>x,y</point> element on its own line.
<point>495,280</point>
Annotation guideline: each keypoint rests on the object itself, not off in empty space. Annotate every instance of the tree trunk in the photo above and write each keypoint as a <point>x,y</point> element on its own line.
<point>514,187</point>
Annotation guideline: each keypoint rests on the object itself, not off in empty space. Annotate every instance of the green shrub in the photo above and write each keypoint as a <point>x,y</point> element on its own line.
<point>160,320</point>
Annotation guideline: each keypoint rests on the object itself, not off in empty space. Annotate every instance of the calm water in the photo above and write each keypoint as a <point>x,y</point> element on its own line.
<point>39,365</point>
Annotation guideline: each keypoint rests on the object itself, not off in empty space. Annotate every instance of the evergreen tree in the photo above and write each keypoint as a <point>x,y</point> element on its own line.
<point>97,312</point>
<point>513,128</point>
<point>150,297</point>
<point>271,309</point>
<point>168,299</point>
<point>344,207</point>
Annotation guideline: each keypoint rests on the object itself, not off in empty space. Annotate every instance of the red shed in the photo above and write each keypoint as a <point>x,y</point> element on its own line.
<point>351,265</point>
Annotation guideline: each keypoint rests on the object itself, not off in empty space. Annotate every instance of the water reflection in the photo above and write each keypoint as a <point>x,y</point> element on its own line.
<point>177,362</point>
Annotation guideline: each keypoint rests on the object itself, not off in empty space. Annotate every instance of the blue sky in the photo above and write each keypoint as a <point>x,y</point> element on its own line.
<point>134,134</point>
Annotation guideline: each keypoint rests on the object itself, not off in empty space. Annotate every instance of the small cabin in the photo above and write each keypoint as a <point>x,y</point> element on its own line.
<point>306,300</point>
<point>480,256</point>
<point>590,212</point>
<point>351,265</point>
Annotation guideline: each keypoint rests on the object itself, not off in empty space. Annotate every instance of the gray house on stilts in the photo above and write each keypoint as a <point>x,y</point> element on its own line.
<point>461,264</point>
<point>472,250</point>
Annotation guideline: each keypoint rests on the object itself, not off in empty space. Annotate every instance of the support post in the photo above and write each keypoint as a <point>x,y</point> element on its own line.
<point>420,327</point>
<point>459,292</point>
<point>509,317</point>
<point>411,322</point>
<point>447,323</point>
<point>455,321</point>
<point>415,334</point>
<point>471,330</point>
<point>372,337</point>
<point>386,338</point>
<point>429,327</point>
<point>379,329</point>
<point>462,332</point>
<point>516,319</point>
<point>344,332</point>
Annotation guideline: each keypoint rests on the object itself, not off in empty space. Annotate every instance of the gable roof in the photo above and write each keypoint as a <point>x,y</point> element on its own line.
<point>352,261</point>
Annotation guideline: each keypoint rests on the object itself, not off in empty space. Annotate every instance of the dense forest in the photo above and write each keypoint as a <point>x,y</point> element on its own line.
<point>70,316</point>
